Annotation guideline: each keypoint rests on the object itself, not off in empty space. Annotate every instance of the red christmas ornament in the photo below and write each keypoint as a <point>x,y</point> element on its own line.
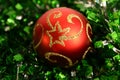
<point>62,36</point>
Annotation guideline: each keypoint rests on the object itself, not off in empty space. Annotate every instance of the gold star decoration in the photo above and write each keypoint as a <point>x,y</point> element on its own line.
<point>57,35</point>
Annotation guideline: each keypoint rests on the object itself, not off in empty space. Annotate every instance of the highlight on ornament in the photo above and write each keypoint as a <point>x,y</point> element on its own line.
<point>62,36</point>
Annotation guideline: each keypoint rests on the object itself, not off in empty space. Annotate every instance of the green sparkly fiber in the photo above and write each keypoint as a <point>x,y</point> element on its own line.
<point>19,61</point>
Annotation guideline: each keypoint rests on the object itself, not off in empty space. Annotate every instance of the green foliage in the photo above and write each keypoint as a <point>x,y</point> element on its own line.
<point>98,44</point>
<point>18,6</point>
<point>19,61</point>
<point>18,57</point>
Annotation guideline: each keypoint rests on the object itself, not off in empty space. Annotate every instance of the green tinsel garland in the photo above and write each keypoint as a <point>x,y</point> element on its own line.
<point>18,60</point>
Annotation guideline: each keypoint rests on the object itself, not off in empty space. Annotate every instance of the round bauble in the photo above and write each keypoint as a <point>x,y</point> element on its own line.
<point>62,36</point>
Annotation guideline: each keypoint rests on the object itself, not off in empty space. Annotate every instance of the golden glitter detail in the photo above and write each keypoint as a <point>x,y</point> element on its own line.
<point>86,52</point>
<point>58,14</point>
<point>87,28</point>
<point>69,19</point>
<point>61,38</point>
<point>40,38</point>
<point>49,54</point>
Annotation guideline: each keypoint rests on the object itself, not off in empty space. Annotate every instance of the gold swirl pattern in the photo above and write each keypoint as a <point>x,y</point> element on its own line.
<point>41,36</point>
<point>57,15</point>
<point>57,28</point>
<point>86,52</point>
<point>49,54</point>
<point>87,32</point>
<point>69,19</point>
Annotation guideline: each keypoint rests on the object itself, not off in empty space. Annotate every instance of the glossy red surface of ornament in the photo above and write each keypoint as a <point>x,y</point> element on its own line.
<point>62,36</point>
